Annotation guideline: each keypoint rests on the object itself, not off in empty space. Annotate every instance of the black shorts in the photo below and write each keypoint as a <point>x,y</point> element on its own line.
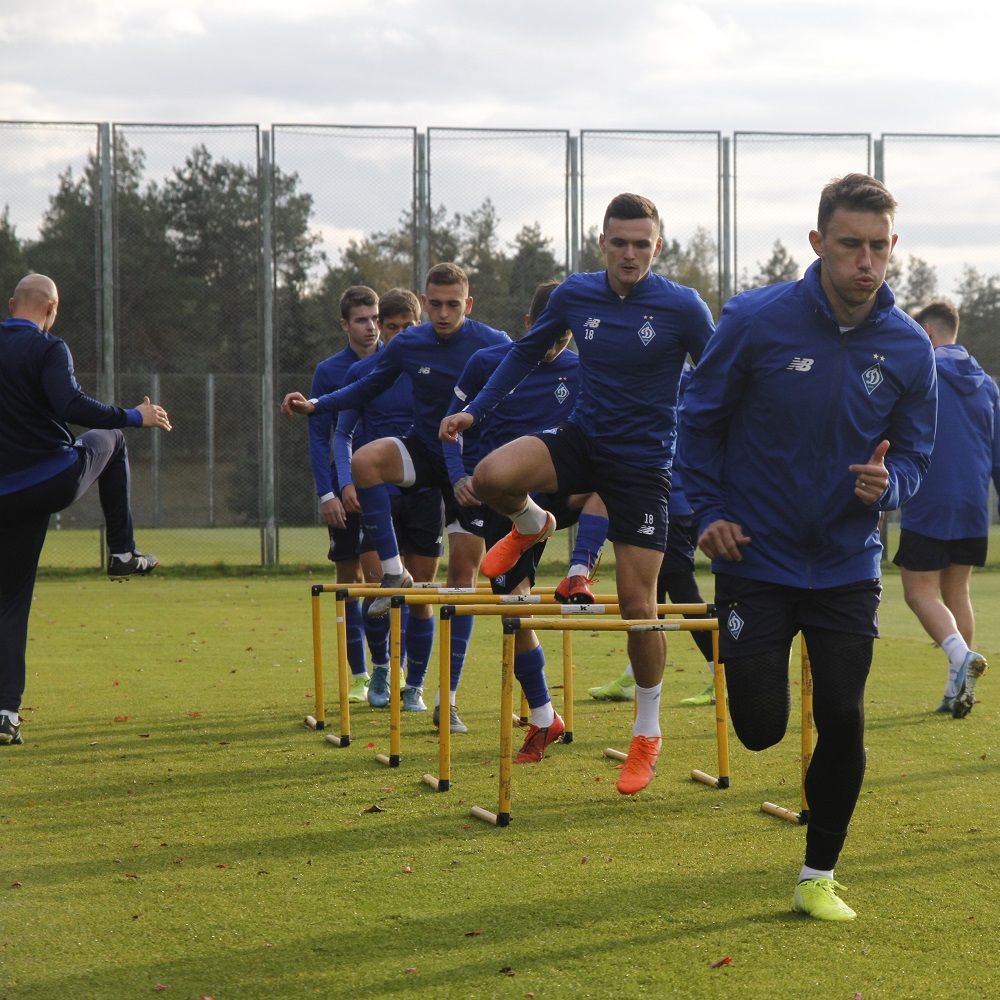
<point>682,539</point>
<point>757,617</point>
<point>496,526</point>
<point>346,543</point>
<point>923,554</point>
<point>418,520</point>
<point>429,470</point>
<point>636,498</point>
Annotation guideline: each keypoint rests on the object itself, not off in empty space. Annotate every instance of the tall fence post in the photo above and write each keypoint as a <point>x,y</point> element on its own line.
<point>106,283</point>
<point>574,238</point>
<point>154,388</point>
<point>268,464</point>
<point>210,447</point>
<point>422,214</point>
<point>879,167</point>
<point>726,242</point>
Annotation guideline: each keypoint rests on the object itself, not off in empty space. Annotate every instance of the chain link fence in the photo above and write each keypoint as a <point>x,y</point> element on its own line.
<point>202,266</point>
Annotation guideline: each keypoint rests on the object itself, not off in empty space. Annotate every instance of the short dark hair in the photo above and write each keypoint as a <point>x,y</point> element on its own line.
<point>857,193</point>
<point>356,295</point>
<point>398,302</point>
<point>447,274</point>
<point>541,298</point>
<point>941,312</point>
<point>631,206</point>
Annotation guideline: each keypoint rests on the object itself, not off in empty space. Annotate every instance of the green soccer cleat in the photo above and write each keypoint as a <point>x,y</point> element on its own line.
<point>620,689</point>
<point>358,692</point>
<point>816,898</point>
<point>706,697</point>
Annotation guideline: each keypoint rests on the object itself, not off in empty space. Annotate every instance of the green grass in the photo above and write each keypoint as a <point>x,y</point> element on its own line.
<point>170,823</point>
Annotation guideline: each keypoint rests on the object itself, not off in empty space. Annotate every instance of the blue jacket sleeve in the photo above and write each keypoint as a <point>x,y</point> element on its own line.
<point>343,436</point>
<point>469,383</point>
<point>70,403</point>
<point>320,427</point>
<point>996,443</point>
<point>380,377</point>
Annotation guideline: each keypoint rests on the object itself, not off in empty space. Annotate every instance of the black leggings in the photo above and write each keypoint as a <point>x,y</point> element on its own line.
<point>759,702</point>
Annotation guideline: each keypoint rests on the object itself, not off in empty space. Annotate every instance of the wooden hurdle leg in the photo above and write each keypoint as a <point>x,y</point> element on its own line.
<point>318,719</point>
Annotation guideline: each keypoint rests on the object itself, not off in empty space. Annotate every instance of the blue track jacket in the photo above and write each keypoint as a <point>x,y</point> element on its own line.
<point>953,501</point>
<point>781,403</point>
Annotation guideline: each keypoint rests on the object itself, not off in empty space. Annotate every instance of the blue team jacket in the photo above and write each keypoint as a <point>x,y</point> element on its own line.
<point>781,403</point>
<point>953,501</point>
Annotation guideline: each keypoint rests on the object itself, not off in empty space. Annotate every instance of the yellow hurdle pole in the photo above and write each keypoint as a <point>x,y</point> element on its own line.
<point>395,654</point>
<point>318,720</point>
<point>567,650</point>
<point>807,724</point>
<point>502,816</point>
<point>721,724</point>
<point>344,740</point>
<point>444,716</point>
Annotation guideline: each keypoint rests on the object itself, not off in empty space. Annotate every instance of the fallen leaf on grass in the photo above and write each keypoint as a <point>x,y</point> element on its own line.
<point>124,718</point>
<point>222,866</point>
<point>144,736</point>
<point>584,860</point>
<point>858,996</point>
<point>371,746</point>
<point>205,996</point>
<point>131,875</point>
<point>17,885</point>
<point>160,987</point>
<point>411,971</point>
<point>473,933</point>
<point>373,809</point>
<point>194,715</point>
<point>178,861</point>
<point>727,960</point>
<point>507,971</point>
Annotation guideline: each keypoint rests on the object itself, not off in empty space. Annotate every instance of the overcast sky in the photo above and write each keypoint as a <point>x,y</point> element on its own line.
<point>812,65</point>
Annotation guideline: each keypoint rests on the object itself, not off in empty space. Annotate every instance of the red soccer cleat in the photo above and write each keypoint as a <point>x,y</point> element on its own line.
<point>504,555</point>
<point>537,740</point>
<point>638,770</point>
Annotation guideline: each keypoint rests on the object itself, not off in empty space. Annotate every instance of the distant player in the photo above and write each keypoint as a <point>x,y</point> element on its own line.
<point>945,527</point>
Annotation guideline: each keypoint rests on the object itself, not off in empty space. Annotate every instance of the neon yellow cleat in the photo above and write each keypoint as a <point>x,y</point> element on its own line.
<point>816,897</point>
<point>620,689</point>
<point>358,693</point>
<point>706,697</point>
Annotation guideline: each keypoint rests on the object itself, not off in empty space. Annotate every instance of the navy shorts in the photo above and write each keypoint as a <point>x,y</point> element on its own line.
<point>498,525</point>
<point>345,543</point>
<point>429,470</point>
<point>418,520</point>
<point>757,617</point>
<point>923,554</point>
<point>636,498</point>
<point>682,539</point>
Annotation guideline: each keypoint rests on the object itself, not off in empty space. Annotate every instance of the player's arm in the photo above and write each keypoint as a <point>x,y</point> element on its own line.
<point>343,450</point>
<point>996,442</point>
<point>472,379</point>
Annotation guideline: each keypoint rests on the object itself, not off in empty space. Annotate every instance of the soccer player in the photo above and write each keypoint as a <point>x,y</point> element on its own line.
<point>417,516</point>
<point>44,468</point>
<point>542,399</point>
<point>811,412</point>
<point>359,320</point>
<point>633,330</point>
<point>945,527</point>
<point>433,354</point>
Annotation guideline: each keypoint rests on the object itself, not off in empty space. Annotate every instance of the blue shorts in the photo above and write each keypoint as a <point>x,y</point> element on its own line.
<point>757,617</point>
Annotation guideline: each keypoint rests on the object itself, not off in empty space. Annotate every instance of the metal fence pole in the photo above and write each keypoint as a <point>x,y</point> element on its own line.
<point>879,173</point>
<point>210,447</point>
<point>726,241</point>
<point>154,389</point>
<point>106,283</point>
<point>422,213</point>
<point>268,505</point>
<point>574,238</point>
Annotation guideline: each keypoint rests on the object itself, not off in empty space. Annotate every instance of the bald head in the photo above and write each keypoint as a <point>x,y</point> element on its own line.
<point>35,298</point>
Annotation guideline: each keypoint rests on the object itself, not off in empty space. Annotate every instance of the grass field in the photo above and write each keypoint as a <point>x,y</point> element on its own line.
<point>169,826</point>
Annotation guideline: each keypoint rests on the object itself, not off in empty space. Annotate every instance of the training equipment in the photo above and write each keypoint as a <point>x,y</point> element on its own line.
<point>973,667</point>
<point>136,565</point>
<point>816,897</point>
<point>504,555</point>
<point>533,748</point>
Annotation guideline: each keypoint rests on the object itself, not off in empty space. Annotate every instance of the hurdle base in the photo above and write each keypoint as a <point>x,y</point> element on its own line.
<point>338,741</point>
<point>311,722</point>
<point>389,759</point>
<point>708,779</point>
<point>567,737</point>
<point>494,819</point>
<point>615,754</point>
<point>788,815</point>
<point>438,784</point>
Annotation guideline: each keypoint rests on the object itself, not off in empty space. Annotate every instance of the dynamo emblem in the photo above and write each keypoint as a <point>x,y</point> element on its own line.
<point>646,333</point>
<point>562,392</point>
<point>873,378</point>
<point>735,624</point>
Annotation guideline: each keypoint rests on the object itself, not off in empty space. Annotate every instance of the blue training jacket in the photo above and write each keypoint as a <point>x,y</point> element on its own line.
<point>781,403</point>
<point>953,501</point>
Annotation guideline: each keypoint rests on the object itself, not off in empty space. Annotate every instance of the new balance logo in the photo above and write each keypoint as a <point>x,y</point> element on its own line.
<point>423,370</point>
<point>734,624</point>
<point>645,529</point>
<point>800,364</point>
<point>592,324</point>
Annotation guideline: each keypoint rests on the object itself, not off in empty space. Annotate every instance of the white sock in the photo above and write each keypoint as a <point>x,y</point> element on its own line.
<point>647,711</point>
<point>531,519</point>
<point>579,569</point>
<point>629,672</point>
<point>124,556</point>
<point>393,565</point>
<point>955,649</point>
<point>543,716</point>
<point>806,872</point>
<point>711,669</point>
<point>13,716</point>
<point>380,666</point>
<point>451,698</point>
